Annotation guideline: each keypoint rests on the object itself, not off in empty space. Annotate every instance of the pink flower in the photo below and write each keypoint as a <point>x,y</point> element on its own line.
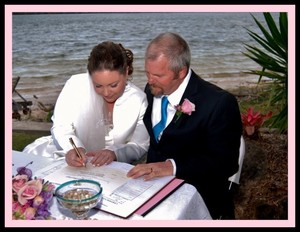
<point>30,190</point>
<point>31,198</point>
<point>18,182</point>
<point>19,210</point>
<point>251,118</point>
<point>29,213</point>
<point>186,107</point>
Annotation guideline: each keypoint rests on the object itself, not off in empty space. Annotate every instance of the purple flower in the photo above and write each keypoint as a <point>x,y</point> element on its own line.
<point>24,171</point>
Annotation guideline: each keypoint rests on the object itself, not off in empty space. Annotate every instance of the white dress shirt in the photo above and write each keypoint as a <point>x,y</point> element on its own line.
<point>173,100</point>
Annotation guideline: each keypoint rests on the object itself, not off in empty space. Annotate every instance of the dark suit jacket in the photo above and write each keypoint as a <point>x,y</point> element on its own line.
<point>205,145</point>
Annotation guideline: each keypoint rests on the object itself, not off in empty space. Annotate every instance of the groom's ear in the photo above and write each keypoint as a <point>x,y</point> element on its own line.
<point>183,72</point>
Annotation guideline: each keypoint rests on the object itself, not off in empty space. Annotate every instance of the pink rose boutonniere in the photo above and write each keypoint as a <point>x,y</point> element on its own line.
<point>186,107</point>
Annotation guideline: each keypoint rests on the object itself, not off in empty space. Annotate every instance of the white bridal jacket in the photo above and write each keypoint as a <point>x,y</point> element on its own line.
<point>79,114</point>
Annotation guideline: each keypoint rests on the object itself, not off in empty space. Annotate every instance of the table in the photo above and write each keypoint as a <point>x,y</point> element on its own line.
<point>185,203</point>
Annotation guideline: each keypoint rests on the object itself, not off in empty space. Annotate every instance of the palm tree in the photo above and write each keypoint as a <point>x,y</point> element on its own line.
<point>272,56</point>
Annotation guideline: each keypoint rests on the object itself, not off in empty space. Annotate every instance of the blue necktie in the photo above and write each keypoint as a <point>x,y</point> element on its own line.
<point>158,128</point>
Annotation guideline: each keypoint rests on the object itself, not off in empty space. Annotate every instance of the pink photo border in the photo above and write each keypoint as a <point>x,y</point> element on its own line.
<point>10,9</point>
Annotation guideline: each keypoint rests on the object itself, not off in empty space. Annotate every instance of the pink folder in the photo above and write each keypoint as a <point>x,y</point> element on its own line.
<point>159,197</point>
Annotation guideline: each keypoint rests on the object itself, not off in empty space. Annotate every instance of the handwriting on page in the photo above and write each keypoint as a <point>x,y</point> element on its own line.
<point>121,195</point>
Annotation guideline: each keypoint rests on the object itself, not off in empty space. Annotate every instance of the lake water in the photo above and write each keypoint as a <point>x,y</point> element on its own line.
<point>49,48</point>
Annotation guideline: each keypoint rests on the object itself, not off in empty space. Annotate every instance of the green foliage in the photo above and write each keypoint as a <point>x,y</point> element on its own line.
<point>49,115</point>
<point>258,100</point>
<point>272,56</point>
<point>20,139</point>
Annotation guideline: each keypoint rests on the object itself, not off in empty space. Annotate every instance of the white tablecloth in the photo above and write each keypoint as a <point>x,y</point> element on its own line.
<point>183,204</point>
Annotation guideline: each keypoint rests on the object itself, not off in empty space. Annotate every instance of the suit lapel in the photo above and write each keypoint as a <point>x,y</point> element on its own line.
<point>147,116</point>
<point>189,93</point>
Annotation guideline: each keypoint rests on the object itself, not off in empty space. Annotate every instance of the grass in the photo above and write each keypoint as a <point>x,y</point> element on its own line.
<point>21,139</point>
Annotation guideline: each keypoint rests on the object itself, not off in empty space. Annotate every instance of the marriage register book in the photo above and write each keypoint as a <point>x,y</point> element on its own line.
<point>121,196</point>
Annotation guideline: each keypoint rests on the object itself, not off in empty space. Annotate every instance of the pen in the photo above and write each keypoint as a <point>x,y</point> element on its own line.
<point>76,149</point>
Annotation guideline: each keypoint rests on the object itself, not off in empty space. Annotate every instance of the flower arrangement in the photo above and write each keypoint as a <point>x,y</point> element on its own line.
<point>253,120</point>
<point>31,198</point>
<point>186,107</point>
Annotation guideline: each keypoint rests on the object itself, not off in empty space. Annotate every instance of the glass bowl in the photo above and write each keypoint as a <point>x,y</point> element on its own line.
<point>79,196</point>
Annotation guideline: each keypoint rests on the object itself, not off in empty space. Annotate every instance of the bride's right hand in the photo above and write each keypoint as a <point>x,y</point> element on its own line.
<point>73,160</point>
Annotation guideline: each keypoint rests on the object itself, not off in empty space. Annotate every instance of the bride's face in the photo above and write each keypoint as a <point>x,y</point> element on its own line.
<point>109,84</point>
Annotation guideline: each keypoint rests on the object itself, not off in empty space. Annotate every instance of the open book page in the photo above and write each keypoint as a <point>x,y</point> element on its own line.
<point>121,195</point>
<point>40,165</point>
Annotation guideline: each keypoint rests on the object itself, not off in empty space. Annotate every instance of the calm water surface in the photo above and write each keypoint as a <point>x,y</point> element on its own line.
<point>49,48</point>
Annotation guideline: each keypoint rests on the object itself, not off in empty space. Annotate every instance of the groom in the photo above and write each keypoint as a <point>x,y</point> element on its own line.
<point>201,137</point>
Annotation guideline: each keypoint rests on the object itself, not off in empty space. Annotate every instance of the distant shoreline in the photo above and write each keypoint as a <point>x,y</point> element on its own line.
<point>48,95</point>
<point>39,115</point>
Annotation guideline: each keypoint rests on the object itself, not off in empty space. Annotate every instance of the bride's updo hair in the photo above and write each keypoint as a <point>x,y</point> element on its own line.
<point>110,56</point>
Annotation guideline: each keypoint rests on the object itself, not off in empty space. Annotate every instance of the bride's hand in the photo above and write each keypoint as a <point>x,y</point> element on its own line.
<point>73,160</point>
<point>102,157</point>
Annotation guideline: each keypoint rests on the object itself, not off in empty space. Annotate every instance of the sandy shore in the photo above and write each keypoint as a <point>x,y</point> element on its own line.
<point>37,118</point>
<point>49,97</point>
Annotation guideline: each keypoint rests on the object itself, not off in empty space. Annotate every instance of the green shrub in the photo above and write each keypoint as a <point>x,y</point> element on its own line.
<point>272,56</point>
